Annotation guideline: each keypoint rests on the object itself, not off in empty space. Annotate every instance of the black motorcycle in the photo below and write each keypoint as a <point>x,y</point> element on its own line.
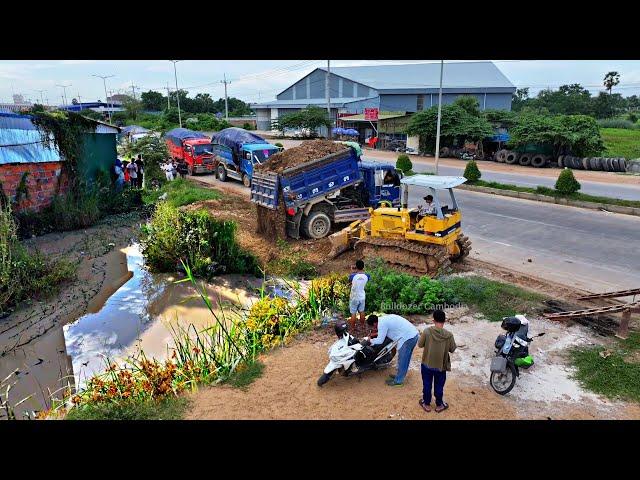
<point>512,353</point>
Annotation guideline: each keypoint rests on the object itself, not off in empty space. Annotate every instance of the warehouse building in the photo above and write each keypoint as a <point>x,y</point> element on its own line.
<point>403,89</point>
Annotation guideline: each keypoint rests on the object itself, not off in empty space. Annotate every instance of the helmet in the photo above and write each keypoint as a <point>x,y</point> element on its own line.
<point>341,328</point>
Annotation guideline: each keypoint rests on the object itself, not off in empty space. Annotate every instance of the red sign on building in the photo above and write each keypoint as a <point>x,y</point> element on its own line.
<point>371,114</point>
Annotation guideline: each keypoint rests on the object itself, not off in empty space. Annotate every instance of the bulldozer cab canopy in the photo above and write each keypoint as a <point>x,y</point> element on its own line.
<point>433,181</point>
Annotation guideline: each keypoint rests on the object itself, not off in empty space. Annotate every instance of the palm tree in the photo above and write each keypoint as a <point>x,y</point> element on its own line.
<point>611,79</point>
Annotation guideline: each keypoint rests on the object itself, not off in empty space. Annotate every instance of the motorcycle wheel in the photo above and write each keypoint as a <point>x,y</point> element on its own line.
<point>324,378</point>
<point>503,383</point>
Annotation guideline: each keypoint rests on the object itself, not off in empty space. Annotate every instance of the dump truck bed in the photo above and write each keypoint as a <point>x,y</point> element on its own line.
<point>306,181</point>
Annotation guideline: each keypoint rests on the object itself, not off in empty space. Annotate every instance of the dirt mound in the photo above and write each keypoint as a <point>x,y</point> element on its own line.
<point>271,224</point>
<point>306,151</point>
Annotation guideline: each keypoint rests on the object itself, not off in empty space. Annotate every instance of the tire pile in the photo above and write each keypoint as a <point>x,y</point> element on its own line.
<point>593,163</point>
<point>538,160</point>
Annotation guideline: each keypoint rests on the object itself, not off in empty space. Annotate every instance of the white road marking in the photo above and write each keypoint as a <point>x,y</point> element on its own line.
<point>505,244</point>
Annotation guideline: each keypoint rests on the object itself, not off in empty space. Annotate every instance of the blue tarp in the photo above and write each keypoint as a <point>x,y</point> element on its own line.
<point>184,133</point>
<point>134,129</point>
<point>21,142</point>
<point>234,137</point>
<point>501,137</point>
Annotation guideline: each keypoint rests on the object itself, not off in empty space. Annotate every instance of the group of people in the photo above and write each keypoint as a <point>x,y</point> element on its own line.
<point>129,173</point>
<point>436,341</point>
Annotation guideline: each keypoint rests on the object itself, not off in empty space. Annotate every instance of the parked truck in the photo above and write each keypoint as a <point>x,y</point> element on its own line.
<point>337,188</point>
<point>236,151</point>
<point>192,148</point>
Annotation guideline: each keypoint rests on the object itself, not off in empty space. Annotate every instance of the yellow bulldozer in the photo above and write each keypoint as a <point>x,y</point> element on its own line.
<point>424,244</point>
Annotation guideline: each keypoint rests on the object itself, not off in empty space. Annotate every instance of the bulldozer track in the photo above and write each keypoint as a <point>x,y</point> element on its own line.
<point>465,248</point>
<point>430,260</point>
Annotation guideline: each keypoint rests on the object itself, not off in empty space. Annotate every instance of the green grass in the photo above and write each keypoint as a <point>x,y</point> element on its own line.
<point>169,408</point>
<point>411,173</point>
<point>291,263</point>
<point>617,375</point>
<point>244,376</point>
<point>550,192</point>
<point>621,142</point>
<point>494,300</point>
<point>181,192</point>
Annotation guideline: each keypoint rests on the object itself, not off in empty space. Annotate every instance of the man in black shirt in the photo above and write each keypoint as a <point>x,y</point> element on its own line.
<point>140,165</point>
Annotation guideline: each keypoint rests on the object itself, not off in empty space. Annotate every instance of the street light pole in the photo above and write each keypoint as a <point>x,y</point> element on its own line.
<point>41,96</point>
<point>104,83</point>
<point>64,89</point>
<point>439,117</point>
<point>175,74</point>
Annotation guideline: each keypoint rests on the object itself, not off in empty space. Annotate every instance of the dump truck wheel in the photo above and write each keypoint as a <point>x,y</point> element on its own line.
<point>316,225</point>
<point>511,158</point>
<point>222,173</point>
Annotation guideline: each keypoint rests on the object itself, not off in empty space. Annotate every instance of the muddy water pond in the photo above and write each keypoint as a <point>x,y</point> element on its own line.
<point>139,315</point>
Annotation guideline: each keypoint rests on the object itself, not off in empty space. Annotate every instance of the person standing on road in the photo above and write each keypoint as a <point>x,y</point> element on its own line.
<point>117,168</point>
<point>398,328</point>
<point>140,165</point>
<point>358,280</point>
<point>437,343</point>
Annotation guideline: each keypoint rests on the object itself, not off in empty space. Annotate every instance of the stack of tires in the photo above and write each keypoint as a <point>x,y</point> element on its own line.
<point>593,163</point>
<point>511,157</point>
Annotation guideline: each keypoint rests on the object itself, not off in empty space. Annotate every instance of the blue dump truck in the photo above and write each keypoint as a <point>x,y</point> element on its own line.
<point>316,194</point>
<point>236,151</point>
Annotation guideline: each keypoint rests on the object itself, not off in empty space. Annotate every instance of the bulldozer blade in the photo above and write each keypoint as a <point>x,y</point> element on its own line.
<point>340,243</point>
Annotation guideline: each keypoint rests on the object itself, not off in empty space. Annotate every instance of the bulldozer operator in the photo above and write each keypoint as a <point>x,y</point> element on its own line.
<point>428,208</point>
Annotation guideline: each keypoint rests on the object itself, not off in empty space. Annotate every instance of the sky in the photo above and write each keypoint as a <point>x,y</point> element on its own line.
<point>261,80</point>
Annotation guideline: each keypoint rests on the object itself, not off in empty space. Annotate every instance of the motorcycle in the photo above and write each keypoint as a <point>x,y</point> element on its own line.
<point>351,356</point>
<point>467,156</point>
<point>512,354</point>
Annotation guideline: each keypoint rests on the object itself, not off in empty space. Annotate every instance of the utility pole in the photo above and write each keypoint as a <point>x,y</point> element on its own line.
<point>64,89</point>
<point>226,101</point>
<point>168,104</point>
<point>326,87</point>
<point>104,82</point>
<point>175,74</point>
<point>79,101</point>
<point>439,117</point>
<point>133,87</point>
<point>41,97</point>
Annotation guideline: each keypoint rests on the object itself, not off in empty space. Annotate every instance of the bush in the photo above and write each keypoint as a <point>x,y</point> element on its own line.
<point>567,183</point>
<point>25,274</point>
<point>472,172</point>
<point>404,163</point>
<point>619,123</point>
<point>207,245</point>
<point>633,117</point>
<point>279,145</point>
<point>390,291</point>
<point>247,126</point>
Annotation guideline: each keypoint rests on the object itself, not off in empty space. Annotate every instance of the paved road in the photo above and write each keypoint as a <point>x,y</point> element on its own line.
<point>625,192</point>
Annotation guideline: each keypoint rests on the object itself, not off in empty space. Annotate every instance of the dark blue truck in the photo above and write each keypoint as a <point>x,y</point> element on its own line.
<point>338,188</point>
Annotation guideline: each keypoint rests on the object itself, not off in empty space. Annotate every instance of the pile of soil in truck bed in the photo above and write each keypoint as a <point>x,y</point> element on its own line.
<point>305,152</point>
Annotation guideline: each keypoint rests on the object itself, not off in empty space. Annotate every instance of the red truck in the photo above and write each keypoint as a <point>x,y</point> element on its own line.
<point>192,148</point>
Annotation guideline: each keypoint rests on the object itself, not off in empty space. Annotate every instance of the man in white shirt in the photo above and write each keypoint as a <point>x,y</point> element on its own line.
<point>398,328</point>
<point>428,208</point>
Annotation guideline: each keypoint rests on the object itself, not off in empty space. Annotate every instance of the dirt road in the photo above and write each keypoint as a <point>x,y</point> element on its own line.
<point>288,390</point>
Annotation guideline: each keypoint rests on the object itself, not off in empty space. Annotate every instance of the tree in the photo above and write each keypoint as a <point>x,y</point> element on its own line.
<point>611,79</point>
<point>153,101</point>
<point>310,118</point>
<point>456,125</point>
<point>132,107</point>
<point>608,105</point>
<point>519,99</point>
<point>469,104</point>
<point>154,152</point>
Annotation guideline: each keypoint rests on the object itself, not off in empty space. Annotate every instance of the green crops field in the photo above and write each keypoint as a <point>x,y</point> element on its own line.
<point>621,142</point>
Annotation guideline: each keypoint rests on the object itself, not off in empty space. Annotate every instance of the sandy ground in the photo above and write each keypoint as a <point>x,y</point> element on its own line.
<point>288,390</point>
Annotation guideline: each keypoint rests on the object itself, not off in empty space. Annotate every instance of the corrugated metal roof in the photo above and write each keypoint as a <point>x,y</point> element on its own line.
<point>21,142</point>
<point>463,75</point>
<point>360,117</point>
<point>303,102</point>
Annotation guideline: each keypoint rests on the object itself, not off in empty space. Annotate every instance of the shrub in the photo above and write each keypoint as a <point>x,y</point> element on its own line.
<point>472,172</point>
<point>619,123</point>
<point>279,145</point>
<point>404,163</point>
<point>25,274</point>
<point>207,245</point>
<point>247,126</point>
<point>633,117</point>
<point>567,183</point>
